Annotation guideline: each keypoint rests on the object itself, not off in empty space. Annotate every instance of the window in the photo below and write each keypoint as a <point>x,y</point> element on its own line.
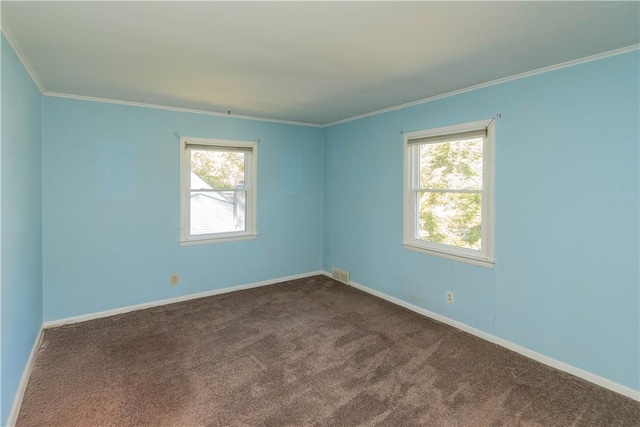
<point>217,189</point>
<point>448,192</point>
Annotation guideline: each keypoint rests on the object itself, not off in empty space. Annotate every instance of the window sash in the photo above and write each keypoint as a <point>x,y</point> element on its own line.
<point>218,190</point>
<point>243,213</point>
<point>415,157</point>
<point>482,257</point>
<point>250,184</point>
<point>446,190</point>
<point>246,184</point>
<point>417,229</point>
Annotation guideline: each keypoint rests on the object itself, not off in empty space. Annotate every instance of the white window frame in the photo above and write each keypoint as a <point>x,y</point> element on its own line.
<point>483,257</point>
<point>251,184</point>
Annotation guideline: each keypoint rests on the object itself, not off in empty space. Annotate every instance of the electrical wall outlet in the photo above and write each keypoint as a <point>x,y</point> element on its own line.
<point>173,279</point>
<point>450,297</point>
<point>340,275</point>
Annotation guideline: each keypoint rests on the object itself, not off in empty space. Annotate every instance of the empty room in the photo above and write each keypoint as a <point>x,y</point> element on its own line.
<point>320,213</point>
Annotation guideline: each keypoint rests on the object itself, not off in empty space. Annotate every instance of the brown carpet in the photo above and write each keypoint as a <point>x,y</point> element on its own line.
<point>306,352</point>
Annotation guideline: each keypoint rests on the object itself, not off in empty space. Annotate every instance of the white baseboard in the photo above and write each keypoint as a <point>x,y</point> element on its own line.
<point>549,361</point>
<point>121,310</point>
<point>17,400</point>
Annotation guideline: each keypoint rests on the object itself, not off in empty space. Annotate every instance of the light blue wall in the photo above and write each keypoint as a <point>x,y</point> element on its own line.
<point>111,206</point>
<point>566,279</point>
<point>21,223</point>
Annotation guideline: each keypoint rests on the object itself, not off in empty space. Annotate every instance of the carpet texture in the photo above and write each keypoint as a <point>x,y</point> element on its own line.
<point>305,352</point>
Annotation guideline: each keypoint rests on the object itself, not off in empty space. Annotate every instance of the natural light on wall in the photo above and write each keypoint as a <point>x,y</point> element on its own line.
<point>448,197</point>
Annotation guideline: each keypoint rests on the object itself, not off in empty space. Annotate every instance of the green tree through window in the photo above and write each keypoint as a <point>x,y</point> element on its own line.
<point>220,169</point>
<point>448,216</point>
<point>448,193</point>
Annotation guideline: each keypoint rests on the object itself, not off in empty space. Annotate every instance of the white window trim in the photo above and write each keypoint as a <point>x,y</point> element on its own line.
<point>483,257</point>
<point>251,185</point>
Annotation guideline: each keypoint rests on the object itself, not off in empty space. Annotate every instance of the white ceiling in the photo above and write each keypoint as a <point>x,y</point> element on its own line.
<point>312,62</point>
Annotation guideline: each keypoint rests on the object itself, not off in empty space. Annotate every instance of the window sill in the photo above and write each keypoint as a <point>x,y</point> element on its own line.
<point>210,240</point>
<point>468,259</point>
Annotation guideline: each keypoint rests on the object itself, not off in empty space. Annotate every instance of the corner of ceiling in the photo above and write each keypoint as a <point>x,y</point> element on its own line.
<point>547,69</point>
<point>6,30</point>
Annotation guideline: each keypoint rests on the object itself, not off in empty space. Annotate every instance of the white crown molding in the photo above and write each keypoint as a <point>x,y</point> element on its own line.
<point>25,62</point>
<point>6,30</point>
<point>538,357</point>
<point>121,310</point>
<point>179,109</point>
<point>550,68</point>
<point>20,54</point>
<point>24,379</point>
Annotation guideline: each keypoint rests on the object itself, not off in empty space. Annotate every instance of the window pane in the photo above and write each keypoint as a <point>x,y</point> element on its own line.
<point>455,165</point>
<point>220,170</point>
<point>217,211</point>
<point>450,218</point>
